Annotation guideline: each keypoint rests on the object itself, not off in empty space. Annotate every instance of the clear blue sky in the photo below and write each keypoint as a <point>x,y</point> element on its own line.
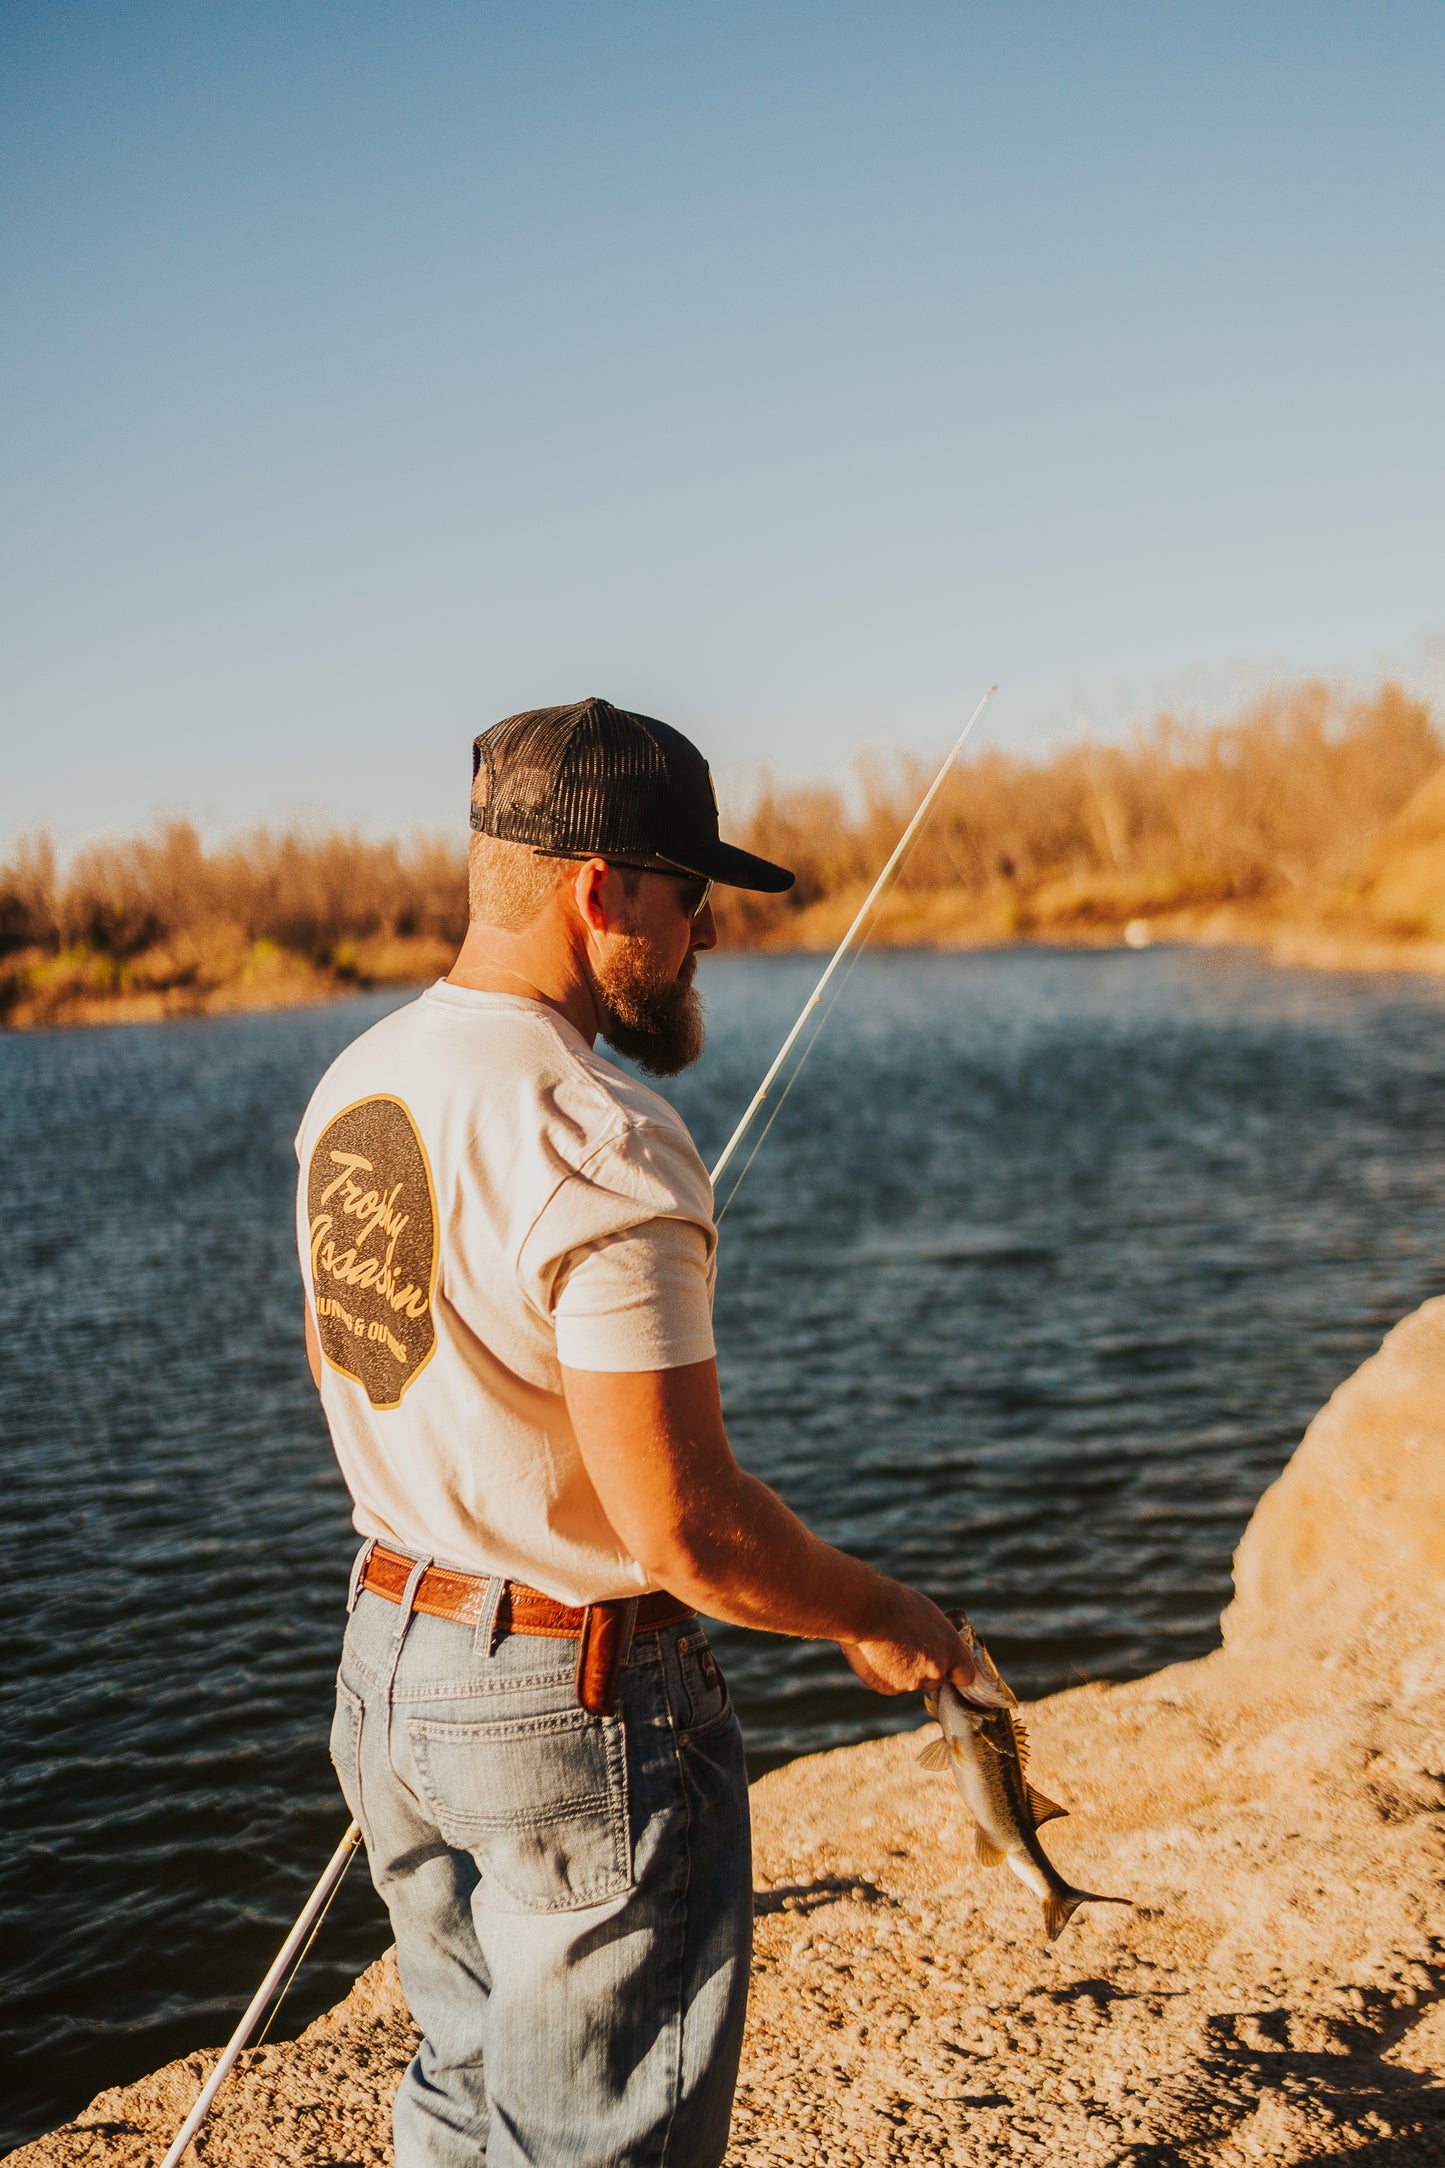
<point>370,371</point>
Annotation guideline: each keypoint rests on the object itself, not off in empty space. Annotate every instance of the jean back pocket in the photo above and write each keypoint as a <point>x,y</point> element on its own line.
<point>539,1801</point>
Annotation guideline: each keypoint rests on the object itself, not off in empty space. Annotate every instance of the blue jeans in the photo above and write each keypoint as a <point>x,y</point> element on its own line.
<point>571,1895</point>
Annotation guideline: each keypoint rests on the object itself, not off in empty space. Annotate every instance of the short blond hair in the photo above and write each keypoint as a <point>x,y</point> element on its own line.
<point>508,884</point>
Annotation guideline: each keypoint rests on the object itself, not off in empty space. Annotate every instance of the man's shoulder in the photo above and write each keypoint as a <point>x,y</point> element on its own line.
<point>493,1062</point>
<point>615,1132</point>
<point>635,1104</point>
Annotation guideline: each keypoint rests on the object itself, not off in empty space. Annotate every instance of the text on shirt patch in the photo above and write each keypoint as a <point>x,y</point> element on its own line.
<point>371,1213</point>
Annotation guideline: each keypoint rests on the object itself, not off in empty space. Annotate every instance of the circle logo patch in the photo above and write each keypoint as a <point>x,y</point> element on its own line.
<point>372,1215</point>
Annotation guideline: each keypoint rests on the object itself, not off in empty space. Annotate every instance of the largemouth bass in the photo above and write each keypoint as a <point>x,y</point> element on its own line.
<point>986,1752</point>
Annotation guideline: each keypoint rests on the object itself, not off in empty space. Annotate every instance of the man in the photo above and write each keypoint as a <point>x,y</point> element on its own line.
<point>508,1247</point>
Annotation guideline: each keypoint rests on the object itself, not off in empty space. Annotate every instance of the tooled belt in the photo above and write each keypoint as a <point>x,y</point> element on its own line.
<point>602,1631</point>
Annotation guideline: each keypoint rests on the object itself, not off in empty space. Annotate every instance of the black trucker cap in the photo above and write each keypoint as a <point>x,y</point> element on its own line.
<point>598,780</point>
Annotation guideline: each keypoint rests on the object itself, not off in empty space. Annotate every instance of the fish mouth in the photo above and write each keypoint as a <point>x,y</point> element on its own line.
<point>973,1698</point>
<point>986,1691</point>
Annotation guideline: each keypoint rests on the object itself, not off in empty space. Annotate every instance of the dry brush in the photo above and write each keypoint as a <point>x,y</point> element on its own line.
<point>1310,809</point>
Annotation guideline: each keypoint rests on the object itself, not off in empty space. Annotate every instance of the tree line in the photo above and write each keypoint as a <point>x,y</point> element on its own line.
<point>1272,811</point>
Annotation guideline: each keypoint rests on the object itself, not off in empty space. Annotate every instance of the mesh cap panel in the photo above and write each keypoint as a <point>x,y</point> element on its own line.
<point>592,777</point>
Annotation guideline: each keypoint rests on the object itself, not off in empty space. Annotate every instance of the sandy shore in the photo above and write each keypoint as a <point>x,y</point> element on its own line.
<point>1276,1812</point>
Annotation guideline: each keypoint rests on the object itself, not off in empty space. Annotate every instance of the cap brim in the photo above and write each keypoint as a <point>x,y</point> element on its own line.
<point>734,868</point>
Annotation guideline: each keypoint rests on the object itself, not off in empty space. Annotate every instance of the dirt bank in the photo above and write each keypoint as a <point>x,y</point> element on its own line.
<point>1276,1811</point>
<point>80,995</point>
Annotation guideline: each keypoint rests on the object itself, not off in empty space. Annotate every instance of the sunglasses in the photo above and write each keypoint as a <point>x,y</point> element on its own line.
<point>695,893</point>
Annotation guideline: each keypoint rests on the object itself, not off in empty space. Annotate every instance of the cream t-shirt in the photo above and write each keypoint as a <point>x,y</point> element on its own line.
<point>483,1199</point>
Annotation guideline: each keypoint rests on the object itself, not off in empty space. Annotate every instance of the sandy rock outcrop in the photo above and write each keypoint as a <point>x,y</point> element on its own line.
<point>1276,1812</point>
<point>1343,1562</point>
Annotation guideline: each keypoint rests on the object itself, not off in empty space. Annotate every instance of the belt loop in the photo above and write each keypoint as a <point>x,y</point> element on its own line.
<point>408,1599</point>
<point>484,1641</point>
<point>629,1626</point>
<point>358,1574</point>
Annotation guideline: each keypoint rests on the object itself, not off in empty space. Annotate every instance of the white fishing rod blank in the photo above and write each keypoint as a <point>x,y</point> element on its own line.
<point>900,852</point>
<point>260,2002</point>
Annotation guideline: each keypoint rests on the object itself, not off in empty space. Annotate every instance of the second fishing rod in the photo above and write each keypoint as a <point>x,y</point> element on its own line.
<point>262,2009</point>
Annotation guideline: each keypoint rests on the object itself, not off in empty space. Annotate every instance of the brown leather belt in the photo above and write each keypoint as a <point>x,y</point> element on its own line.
<point>601,1630</point>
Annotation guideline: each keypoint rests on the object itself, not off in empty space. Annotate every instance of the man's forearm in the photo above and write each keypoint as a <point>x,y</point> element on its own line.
<point>752,1562</point>
<point>656,1448</point>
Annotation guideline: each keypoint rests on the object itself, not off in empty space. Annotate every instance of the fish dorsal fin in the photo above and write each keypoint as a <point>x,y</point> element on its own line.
<point>985,1851</point>
<point>1042,1808</point>
<point>1021,1741</point>
<point>934,1755</point>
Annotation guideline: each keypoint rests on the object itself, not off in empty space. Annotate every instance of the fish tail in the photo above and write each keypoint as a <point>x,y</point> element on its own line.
<point>1061,1904</point>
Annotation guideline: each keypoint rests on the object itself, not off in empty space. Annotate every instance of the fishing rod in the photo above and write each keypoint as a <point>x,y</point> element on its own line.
<point>295,1946</point>
<point>901,849</point>
<point>267,1998</point>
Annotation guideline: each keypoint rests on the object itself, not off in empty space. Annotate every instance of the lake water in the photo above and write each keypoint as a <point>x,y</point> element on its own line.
<point>1034,1285</point>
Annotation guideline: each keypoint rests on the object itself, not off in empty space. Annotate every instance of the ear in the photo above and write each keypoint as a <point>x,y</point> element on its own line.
<point>587,894</point>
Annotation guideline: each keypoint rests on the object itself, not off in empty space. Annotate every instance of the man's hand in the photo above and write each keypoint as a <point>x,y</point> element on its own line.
<point>924,1656</point>
<point>924,1649</point>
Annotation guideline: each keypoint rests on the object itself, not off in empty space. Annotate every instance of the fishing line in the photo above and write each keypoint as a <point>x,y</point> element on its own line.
<point>260,2040</point>
<point>900,851</point>
<point>792,1080</point>
<point>299,1938</point>
<point>834,998</point>
<point>858,933</point>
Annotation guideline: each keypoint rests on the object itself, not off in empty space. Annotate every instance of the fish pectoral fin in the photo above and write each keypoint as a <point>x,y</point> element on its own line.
<point>1042,1808</point>
<point>985,1851</point>
<point>934,1755</point>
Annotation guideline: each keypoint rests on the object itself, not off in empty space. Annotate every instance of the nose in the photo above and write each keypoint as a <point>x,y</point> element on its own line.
<point>704,928</point>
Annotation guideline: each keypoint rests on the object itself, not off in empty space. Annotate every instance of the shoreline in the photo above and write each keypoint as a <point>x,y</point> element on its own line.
<point>1275,1811</point>
<point>1311,827</point>
<point>286,981</point>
